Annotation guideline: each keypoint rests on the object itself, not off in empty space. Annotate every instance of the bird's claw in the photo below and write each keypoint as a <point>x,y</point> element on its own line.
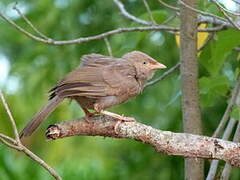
<point>123,119</point>
<point>127,119</point>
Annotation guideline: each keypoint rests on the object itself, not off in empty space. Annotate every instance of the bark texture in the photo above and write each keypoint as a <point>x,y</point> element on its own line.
<point>182,144</point>
<point>189,76</point>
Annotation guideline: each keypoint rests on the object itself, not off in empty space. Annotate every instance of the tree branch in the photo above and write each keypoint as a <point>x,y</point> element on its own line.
<point>226,114</point>
<point>149,11</point>
<point>42,38</point>
<point>14,127</point>
<point>126,14</point>
<point>236,1</point>
<point>168,6</point>
<point>225,13</point>
<point>227,168</point>
<point>214,164</point>
<point>224,9</point>
<point>29,22</point>
<point>235,99</point>
<point>181,144</point>
<point>16,144</point>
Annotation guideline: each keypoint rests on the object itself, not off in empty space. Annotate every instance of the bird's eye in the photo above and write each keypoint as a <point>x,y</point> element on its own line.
<point>144,62</point>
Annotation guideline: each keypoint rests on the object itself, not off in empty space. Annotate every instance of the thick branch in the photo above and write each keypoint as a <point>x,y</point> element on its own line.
<point>182,144</point>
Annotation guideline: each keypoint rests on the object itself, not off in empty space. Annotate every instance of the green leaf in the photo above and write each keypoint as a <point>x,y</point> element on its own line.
<point>218,85</point>
<point>211,88</point>
<point>213,57</point>
<point>236,112</point>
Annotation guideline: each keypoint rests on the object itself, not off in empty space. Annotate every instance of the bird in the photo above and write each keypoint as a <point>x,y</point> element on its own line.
<point>100,82</point>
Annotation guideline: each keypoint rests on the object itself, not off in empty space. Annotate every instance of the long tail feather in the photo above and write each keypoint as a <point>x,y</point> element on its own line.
<point>40,116</point>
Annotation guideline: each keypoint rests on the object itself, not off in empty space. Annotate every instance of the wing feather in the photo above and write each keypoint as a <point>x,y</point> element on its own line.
<point>98,76</point>
<point>97,60</point>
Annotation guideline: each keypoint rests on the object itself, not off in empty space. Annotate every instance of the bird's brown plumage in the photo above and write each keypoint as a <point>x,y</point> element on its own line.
<point>99,83</point>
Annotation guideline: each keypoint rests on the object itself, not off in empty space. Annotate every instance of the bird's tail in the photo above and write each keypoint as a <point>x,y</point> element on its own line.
<point>40,116</point>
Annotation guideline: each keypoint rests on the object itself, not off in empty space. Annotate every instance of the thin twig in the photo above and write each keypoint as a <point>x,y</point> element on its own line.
<point>14,127</point>
<point>228,131</point>
<point>176,67</point>
<point>201,12</point>
<point>226,115</point>
<point>109,48</point>
<point>29,22</point>
<point>169,19</point>
<point>102,35</point>
<point>214,21</point>
<point>224,9</point>
<point>149,11</point>
<point>214,164</point>
<point>163,76</point>
<point>7,138</point>
<point>9,21</point>
<point>227,168</point>
<point>130,16</point>
<point>203,17</point>
<point>9,144</point>
<point>20,147</point>
<point>169,6</point>
<point>41,162</point>
<point>226,15</point>
<point>236,1</point>
<point>16,143</point>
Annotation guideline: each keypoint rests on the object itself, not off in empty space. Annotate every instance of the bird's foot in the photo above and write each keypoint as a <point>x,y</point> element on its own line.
<point>88,115</point>
<point>123,119</point>
<point>127,119</point>
<point>119,118</point>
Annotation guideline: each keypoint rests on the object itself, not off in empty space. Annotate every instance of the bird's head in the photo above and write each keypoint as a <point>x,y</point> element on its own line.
<point>144,64</point>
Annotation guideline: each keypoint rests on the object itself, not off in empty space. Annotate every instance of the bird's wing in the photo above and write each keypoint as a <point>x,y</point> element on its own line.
<point>84,81</point>
<point>95,81</point>
<point>97,60</point>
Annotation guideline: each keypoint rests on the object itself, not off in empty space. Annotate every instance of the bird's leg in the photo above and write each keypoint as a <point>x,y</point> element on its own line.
<point>98,108</point>
<point>119,117</point>
<point>87,114</point>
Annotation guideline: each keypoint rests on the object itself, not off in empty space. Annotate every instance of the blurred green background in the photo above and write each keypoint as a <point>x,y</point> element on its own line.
<point>28,69</point>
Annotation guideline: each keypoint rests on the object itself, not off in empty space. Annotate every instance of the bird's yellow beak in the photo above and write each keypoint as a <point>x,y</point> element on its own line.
<point>158,66</point>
